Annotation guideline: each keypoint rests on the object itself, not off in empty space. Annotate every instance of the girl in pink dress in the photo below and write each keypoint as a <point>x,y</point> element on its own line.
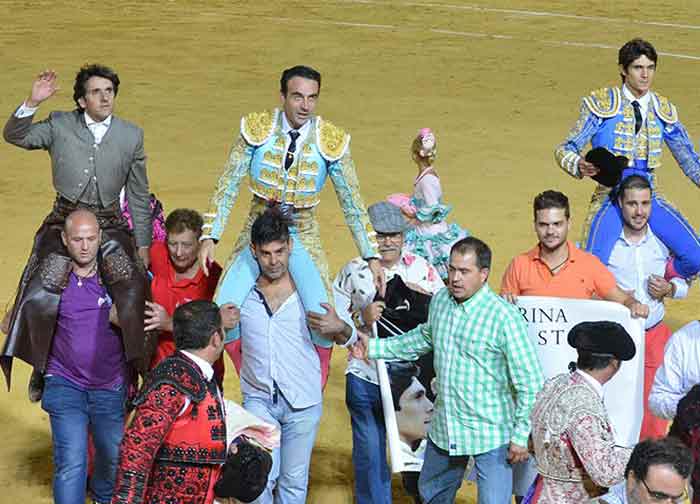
<point>430,235</point>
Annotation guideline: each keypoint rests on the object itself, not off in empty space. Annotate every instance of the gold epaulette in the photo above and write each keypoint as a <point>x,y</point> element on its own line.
<point>332,140</point>
<point>665,109</point>
<point>604,102</point>
<point>257,127</point>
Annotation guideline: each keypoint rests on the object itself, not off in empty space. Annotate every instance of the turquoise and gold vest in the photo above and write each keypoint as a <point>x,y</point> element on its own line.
<point>301,185</point>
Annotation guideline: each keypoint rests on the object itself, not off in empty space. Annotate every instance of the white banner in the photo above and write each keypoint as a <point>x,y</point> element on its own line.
<point>549,321</point>
<point>396,453</point>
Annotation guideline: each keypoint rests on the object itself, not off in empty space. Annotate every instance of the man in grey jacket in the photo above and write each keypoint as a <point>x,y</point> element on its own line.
<point>93,155</point>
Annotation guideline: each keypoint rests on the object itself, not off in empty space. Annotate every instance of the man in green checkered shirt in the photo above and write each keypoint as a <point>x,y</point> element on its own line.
<point>487,379</point>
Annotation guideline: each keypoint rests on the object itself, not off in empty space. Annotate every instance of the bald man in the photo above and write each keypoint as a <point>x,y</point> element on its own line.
<point>86,373</point>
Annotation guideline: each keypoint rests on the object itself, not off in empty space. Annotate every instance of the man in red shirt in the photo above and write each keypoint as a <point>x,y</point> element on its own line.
<point>178,279</point>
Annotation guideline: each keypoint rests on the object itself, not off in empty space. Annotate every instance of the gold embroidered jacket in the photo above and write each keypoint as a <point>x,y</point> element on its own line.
<point>259,152</point>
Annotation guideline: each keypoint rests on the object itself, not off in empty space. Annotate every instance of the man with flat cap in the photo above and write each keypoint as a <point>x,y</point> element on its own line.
<point>356,301</point>
<point>573,439</point>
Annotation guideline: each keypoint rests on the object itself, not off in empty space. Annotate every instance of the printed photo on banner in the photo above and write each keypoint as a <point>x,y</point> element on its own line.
<point>549,320</point>
<point>407,388</point>
<point>411,397</point>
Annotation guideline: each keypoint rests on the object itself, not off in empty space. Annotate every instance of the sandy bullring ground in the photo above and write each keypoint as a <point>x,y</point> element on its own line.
<point>499,81</point>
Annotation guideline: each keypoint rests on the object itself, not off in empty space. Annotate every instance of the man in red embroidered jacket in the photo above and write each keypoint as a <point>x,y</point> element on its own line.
<point>176,443</point>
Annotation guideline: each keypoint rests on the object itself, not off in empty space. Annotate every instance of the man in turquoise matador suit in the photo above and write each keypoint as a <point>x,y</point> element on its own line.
<point>288,154</point>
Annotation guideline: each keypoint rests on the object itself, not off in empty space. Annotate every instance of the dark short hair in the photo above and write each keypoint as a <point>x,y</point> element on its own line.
<point>591,361</point>
<point>550,199</point>
<point>194,323</point>
<point>269,226</point>
<point>184,219</point>
<point>633,182</point>
<point>401,376</point>
<point>667,451</point>
<point>634,49</point>
<point>88,71</point>
<point>299,71</point>
<point>481,251</point>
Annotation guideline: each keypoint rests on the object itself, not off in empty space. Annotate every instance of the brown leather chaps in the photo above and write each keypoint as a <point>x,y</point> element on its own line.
<point>33,316</point>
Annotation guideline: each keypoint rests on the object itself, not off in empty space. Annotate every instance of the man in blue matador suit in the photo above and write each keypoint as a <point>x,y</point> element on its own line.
<point>288,154</point>
<point>633,121</point>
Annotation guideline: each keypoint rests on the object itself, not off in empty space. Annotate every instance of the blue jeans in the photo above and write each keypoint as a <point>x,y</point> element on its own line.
<point>289,476</point>
<point>72,412</point>
<point>372,476</point>
<point>442,476</point>
<point>524,474</point>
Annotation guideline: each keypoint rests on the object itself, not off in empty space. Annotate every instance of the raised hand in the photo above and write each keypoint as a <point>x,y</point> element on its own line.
<point>43,88</point>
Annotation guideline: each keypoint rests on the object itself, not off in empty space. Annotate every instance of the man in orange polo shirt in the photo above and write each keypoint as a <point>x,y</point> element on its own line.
<point>178,279</point>
<point>556,268</point>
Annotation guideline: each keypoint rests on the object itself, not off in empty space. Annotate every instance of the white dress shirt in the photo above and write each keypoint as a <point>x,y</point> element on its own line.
<point>633,263</point>
<point>643,101</point>
<point>98,129</point>
<point>278,353</point>
<point>595,384</point>
<point>204,366</point>
<point>303,133</point>
<point>25,111</point>
<point>353,289</point>
<point>206,369</point>
<point>679,372</point>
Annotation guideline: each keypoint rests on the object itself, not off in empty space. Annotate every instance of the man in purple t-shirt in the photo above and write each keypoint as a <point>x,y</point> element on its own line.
<point>85,380</point>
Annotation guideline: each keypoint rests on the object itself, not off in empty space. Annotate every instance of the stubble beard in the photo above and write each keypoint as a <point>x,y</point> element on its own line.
<point>556,248</point>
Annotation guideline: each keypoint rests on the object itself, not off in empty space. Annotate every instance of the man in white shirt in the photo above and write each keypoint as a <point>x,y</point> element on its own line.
<point>678,373</point>
<point>281,369</point>
<point>354,293</point>
<point>639,260</point>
